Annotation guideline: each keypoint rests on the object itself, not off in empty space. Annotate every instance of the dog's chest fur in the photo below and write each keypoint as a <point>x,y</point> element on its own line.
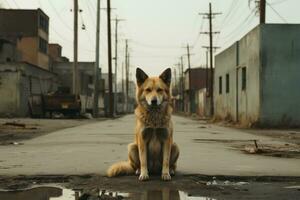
<point>155,118</point>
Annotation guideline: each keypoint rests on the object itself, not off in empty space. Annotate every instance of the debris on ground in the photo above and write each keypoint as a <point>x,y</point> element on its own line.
<point>15,124</point>
<point>276,150</point>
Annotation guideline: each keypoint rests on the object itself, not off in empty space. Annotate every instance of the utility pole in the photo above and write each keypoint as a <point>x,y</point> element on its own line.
<point>122,77</point>
<point>116,62</point>
<point>207,80</point>
<point>96,78</point>
<point>206,71</point>
<point>190,80</point>
<point>210,16</point>
<point>75,65</point>
<point>182,83</point>
<point>262,11</point>
<point>110,86</point>
<point>175,79</point>
<point>126,74</point>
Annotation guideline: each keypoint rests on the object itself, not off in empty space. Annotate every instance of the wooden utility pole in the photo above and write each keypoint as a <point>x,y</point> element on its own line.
<point>190,80</point>
<point>116,62</point>
<point>110,86</point>
<point>182,83</point>
<point>122,77</point>
<point>206,71</point>
<point>96,78</point>
<point>262,11</point>
<point>175,79</point>
<point>210,15</point>
<point>75,53</point>
<point>126,74</point>
<point>207,83</point>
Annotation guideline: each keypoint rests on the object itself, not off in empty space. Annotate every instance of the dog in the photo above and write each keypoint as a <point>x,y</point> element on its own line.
<point>153,150</point>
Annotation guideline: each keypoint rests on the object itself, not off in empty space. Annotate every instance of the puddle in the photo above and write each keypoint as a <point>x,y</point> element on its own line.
<point>55,193</point>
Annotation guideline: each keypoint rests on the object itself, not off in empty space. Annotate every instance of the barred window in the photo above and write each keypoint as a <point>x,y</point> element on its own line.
<point>227,83</point>
<point>220,85</point>
<point>44,24</point>
<point>244,78</point>
<point>43,45</point>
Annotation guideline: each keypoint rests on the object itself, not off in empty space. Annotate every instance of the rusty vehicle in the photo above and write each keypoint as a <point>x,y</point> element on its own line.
<point>61,102</point>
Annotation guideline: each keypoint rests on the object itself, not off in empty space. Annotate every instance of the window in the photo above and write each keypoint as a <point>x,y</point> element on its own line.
<point>43,45</point>
<point>91,80</point>
<point>44,24</point>
<point>244,78</point>
<point>227,83</point>
<point>220,85</point>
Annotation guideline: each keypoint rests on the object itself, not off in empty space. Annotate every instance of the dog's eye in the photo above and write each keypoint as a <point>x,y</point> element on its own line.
<point>159,90</point>
<point>148,90</point>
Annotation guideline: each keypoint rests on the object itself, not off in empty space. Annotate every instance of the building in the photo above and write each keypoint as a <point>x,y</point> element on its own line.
<point>86,71</point>
<point>257,78</point>
<point>28,31</point>
<point>198,102</point>
<point>18,82</point>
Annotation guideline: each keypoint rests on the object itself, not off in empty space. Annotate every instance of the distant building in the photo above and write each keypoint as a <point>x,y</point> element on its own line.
<point>64,71</point>
<point>28,31</point>
<point>199,103</point>
<point>257,79</point>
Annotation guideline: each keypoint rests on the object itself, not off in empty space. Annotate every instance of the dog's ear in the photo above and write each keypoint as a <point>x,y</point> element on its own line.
<point>166,76</point>
<point>141,76</point>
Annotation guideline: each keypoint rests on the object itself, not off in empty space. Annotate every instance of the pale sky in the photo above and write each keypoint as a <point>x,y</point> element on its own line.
<point>157,29</point>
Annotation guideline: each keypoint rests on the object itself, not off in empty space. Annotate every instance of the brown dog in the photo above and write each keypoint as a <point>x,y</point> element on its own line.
<point>153,150</point>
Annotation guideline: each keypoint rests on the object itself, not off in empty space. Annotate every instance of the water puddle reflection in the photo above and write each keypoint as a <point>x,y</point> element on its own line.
<point>54,193</point>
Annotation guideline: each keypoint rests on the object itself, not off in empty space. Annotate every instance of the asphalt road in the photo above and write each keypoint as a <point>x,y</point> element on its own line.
<point>205,149</point>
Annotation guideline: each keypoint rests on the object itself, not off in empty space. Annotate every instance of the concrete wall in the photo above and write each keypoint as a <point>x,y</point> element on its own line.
<point>280,75</point>
<point>238,105</point>
<point>249,57</point>
<point>28,46</point>
<point>225,103</point>
<point>8,52</point>
<point>202,108</point>
<point>9,93</point>
<point>18,82</point>
<point>17,21</point>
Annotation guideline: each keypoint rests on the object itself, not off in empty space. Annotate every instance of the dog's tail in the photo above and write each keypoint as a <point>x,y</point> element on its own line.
<point>120,168</point>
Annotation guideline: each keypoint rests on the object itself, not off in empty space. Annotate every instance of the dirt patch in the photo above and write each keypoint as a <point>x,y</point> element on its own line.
<point>14,130</point>
<point>255,147</point>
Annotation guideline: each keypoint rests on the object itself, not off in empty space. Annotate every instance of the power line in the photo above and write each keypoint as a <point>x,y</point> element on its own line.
<point>278,2</point>
<point>277,13</point>
<point>58,15</point>
<point>238,27</point>
<point>152,46</point>
<point>198,35</point>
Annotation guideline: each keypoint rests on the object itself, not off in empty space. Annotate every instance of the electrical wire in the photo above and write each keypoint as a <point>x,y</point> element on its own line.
<point>58,15</point>
<point>277,13</point>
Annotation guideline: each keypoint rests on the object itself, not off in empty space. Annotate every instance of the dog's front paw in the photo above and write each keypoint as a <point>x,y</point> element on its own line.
<point>138,172</point>
<point>143,177</point>
<point>172,172</point>
<point>166,177</point>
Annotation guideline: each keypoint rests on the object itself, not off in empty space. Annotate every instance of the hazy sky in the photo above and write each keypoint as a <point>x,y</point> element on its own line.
<point>157,29</point>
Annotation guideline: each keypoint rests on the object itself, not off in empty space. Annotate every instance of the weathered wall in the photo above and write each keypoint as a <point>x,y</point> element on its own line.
<point>202,103</point>
<point>20,81</point>
<point>249,57</point>
<point>238,105</point>
<point>17,21</point>
<point>28,46</point>
<point>9,93</point>
<point>225,103</point>
<point>280,75</point>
